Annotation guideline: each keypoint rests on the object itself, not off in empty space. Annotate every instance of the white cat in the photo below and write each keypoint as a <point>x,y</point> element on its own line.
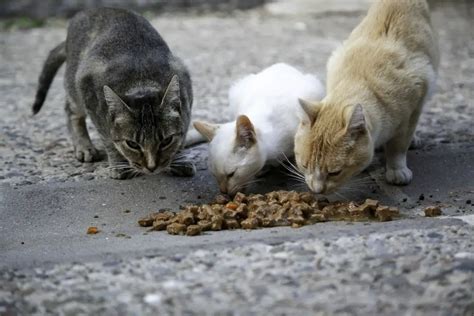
<point>267,115</point>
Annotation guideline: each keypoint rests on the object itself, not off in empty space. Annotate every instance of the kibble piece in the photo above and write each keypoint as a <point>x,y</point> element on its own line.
<point>249,223</point>
<point>146,221</point>
<point>160,225</point>
<point>92,230</point>
<point>193,209</point>
<point>205,225</point>
<point>176,229</point>
<point>295,225</point>
<point>255,197</point>
<point>383,213</point>
<point>317,218</point>
<point>299,220</point>
<point>307,197</point>
<point>186,218</point>
<point>222,199</point>
<point>193,230</point>
<point>231,224</point>
<point>163,216</point>
<point>240,198</point>
<point>395,211</point>
<point>372,204</point>
<point>232,205</point>
<point>241,211</point>
<point>217,221</point>
<point>268,222</point>
<point>432,211</point>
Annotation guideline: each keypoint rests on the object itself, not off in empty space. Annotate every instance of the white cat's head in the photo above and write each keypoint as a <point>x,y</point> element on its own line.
<point>235,156</point>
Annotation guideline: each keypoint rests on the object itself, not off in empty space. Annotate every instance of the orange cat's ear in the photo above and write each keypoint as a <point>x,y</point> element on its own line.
<point>356,123</point>
<point>207,130</point>
<point>311,109</point>
<point>245,132</point>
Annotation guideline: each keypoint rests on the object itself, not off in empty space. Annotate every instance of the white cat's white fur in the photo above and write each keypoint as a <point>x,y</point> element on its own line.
<point>238,151</point>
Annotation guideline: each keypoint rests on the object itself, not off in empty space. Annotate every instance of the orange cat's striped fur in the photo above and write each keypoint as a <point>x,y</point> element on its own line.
<point>377,83</point>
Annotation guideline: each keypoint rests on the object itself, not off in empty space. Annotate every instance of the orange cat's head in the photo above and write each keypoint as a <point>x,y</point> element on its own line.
<point>332,144</point>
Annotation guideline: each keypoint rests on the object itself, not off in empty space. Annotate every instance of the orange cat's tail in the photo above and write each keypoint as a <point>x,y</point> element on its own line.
<point>396,18</point>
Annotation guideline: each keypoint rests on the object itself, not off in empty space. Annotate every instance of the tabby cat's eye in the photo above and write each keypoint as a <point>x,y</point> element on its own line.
<point>335,173</point>
<point>166,142</point>
<point>132,145</point>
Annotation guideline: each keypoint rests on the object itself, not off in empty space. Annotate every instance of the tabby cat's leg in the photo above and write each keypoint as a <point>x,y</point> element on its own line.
<point>84,150</point>
<point>182,168</point>
<point>396,149</point>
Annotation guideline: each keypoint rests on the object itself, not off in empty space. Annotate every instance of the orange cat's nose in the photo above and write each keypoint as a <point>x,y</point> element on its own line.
<point>317,187</point>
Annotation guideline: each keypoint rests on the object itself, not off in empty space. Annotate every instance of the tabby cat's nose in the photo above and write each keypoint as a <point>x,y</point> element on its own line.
<point>152,167</point>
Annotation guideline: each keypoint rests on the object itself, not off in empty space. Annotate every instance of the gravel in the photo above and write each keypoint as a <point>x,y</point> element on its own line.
<point>428,272</point>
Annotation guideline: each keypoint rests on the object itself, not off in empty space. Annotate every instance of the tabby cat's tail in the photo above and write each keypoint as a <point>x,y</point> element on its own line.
<point>55,59</point>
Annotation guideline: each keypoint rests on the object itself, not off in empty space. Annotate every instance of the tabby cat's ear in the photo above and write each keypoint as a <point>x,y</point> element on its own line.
<point>207,130</point>
<point>246,136</point>
<point>310,109</point>
<point>115,103</point>
<point>357,124</point>
<point>172,97</point>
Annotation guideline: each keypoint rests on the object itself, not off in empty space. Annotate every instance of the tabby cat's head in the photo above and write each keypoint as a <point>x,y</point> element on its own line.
<point>332,144</point>
<point>146,125</point>
<point>235,156</point>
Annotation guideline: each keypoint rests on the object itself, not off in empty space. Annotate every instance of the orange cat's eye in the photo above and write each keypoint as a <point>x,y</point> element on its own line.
<point>333,174</point>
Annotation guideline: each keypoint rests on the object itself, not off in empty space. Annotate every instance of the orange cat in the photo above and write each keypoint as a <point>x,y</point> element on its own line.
<point>377,83</point>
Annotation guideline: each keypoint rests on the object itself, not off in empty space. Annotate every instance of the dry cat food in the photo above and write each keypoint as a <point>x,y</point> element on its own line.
<point>278,208</point>
<point>432,211</point>
<point>92,230</point>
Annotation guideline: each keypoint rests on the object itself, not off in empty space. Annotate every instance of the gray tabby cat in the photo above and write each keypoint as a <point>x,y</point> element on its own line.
<point>121,73</point>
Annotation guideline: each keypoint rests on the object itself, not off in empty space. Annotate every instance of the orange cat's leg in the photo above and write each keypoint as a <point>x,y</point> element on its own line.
<point>397,171</point>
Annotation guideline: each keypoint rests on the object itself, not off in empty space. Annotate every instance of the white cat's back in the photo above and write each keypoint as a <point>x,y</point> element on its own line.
<point>276,89</point>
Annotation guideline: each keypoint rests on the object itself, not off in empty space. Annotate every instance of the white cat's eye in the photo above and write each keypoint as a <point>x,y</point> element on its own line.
<point>335,173</point>
<point>166,142</point>
<point>132,145</point>
<point>230,175</point>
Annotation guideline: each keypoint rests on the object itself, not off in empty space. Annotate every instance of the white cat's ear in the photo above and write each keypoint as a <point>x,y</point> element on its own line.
<point>357,123</point>
<point>172,98</point>
<point>246,136</point>
<point>311,110</point>
<point>207,130</point>
<point>115,103</point>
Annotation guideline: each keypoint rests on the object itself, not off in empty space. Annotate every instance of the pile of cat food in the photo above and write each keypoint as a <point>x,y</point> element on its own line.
<point>278,208</point>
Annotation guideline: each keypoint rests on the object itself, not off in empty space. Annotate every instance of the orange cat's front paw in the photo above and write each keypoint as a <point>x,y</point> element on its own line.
<point>400,176</point>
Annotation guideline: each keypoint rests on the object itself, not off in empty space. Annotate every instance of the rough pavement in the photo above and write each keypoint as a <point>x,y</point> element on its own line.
<point>47,199</point>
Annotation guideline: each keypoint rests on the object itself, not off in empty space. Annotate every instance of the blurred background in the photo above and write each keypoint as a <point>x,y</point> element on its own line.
<point>30,13</point>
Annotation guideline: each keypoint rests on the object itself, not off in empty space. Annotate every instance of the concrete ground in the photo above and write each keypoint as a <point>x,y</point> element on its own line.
<point>415,265</point>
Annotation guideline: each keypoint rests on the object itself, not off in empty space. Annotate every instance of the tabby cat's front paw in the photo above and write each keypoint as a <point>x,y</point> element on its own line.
<point>400,176</point>
<point>183,169</point>
<point>416,142</point>
<point>122,174</point>
<point>86,153</point>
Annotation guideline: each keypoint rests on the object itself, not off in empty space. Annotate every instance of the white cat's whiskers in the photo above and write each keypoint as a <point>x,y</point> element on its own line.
<point>294,173</point>
<point>341,196</point>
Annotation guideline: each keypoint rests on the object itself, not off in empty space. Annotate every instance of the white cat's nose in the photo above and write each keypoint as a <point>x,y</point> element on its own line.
<point>223,187</point>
